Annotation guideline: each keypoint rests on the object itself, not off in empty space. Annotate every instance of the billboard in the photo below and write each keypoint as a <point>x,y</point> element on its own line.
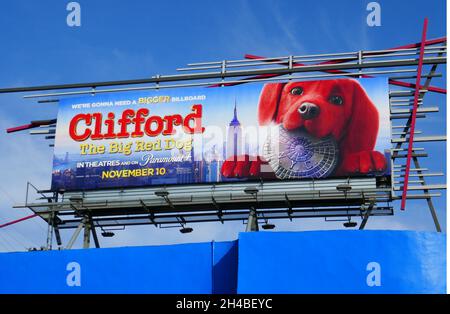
<point>273,131</point>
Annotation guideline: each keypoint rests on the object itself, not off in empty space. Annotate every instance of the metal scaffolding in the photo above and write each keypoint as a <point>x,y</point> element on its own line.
<point>167,206</point>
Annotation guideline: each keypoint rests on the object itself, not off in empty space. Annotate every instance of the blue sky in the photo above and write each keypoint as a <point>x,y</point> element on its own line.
<point>136,39</point>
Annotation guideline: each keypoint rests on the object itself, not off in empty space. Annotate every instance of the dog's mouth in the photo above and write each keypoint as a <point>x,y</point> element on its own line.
<point>310,132</point>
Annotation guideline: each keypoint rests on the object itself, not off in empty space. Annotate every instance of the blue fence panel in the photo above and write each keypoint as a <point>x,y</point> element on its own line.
<point>225,264</point>
<point>183,268</point>
<point>260,262</point>
<point>342,262</point>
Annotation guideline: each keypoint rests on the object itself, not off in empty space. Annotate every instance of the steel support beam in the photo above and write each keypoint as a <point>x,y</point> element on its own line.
<point>367,215</point>
<point>87,233</point>
<point>57,235</point>
<point>50,230</point>
<point>252,222</point>
<point>94,233</point>
<point>75,235</point>
<point>429,201</point>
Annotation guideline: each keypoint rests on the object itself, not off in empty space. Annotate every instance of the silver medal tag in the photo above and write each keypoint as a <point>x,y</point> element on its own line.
<point>297,154</point>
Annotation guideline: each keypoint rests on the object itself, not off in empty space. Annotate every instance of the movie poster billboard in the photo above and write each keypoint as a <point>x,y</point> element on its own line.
<point>271,131</point>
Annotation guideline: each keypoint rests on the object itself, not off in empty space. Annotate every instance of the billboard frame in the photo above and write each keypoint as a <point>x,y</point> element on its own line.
<point>258,69</point>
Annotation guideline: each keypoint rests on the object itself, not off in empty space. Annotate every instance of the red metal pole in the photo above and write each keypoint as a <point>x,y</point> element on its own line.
<point>410,85</point>
<point>21,128</point>
<point>18,220</point>
<point>32,124</point>
<point>414,114</point>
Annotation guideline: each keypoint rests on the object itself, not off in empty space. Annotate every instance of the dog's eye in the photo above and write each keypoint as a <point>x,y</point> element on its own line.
<point>336,100</point>
<point>297,91</point>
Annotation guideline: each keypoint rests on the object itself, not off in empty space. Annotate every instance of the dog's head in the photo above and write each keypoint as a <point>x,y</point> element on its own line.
<point>323,108</point>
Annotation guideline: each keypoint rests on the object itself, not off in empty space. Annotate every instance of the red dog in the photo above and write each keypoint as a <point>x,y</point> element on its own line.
<point>339,107</point>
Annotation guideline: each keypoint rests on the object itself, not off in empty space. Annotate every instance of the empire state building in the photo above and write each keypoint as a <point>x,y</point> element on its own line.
<point>234,138</point>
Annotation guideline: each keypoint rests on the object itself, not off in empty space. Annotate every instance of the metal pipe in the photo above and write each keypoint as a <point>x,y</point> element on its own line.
<point>212,83</point>
<point>231,61</point>
<point>433,138</point>
<point>199,76</point>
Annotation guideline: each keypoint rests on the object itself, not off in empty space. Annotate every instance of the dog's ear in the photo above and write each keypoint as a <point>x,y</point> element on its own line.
<point>362,130</point>
<point>268,102</point>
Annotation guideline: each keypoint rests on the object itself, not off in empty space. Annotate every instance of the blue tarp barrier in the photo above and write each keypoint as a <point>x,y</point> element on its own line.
<point>342,262</point>
<point>183,268</point>
<point>259,262</point>
<point>225,266</point>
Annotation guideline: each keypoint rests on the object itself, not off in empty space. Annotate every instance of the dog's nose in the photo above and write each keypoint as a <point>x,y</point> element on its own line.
<point>308,110</point>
